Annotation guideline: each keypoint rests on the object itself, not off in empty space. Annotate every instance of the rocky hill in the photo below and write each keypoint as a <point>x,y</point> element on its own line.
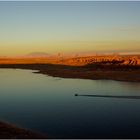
<point>106,60</point>
<point>131,60</point>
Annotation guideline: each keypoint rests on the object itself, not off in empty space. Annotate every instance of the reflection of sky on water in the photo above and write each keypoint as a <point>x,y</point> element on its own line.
<point>48,104</point>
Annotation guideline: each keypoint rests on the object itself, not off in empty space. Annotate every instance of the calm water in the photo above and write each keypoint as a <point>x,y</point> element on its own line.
<point>46,104</point>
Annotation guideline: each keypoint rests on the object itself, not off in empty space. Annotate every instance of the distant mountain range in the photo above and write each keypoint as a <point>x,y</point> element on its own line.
<point>38,54</point>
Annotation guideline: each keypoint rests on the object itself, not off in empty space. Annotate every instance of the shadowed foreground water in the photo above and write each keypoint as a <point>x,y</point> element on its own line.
<point>47,104</point>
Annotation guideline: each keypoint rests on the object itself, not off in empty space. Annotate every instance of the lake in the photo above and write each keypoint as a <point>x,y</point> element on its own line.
<point>46,104</point>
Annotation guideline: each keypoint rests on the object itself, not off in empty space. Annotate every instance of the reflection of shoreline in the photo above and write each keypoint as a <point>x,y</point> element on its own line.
<point>8,131</point>
<point>82,72</point>
<point>110,96</point>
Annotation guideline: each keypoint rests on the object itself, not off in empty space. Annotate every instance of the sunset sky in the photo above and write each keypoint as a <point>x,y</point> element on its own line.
<point>54,27</point>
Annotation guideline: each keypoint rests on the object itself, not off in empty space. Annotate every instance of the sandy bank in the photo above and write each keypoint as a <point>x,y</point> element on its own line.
<point>8,131</point>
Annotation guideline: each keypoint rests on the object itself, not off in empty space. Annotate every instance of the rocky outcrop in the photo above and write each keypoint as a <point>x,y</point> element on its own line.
<point>116,60</point>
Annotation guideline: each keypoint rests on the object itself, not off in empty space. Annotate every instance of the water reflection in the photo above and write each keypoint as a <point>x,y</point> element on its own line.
<point>46,104</point>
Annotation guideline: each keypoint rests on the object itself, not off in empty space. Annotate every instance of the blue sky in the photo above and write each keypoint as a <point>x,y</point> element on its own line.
<point>69,27</point>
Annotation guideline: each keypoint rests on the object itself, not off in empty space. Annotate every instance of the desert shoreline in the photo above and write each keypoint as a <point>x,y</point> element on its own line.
<point>123,73</point>
<point>11,131</point>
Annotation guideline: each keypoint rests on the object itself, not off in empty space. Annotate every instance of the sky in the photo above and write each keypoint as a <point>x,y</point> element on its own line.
<point>69,27</point>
